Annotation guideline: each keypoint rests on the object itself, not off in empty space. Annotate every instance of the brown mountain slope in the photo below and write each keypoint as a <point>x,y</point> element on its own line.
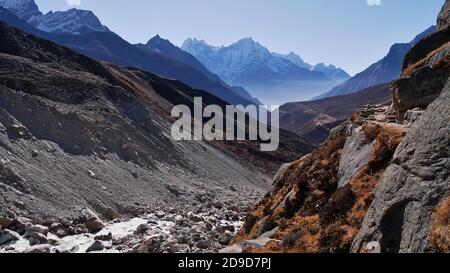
<point>291,145</point>
<point>315,119</point>
<point>77,133</point>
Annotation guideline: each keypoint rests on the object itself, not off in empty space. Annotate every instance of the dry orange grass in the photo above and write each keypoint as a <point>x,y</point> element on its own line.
<point>316,217</point>
<point>300,235</point>
<point>441,64</point>
<point>440,233</point>
<point>301,181</point>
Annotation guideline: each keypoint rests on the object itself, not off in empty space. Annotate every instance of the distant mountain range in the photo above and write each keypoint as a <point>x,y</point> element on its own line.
<point>24,9</point>
<point>331,71</point>
<point>383,71</point>
<point>226,72</point>
<point>295,59</point>
<point>83,32</point>
<point>164,46</point>
<point>270,76</point>
<point>73,21</point>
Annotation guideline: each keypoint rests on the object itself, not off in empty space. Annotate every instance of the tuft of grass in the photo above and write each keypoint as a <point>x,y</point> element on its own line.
<point>387,139</point>
<point>440,231</point>
<point>338,205</point>
<point>444,63</point>
<point>291,239</point>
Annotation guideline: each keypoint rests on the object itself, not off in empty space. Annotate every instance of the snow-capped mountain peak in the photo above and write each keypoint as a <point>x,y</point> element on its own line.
<point>246,41</point>
<point>247,50</point>
<point>72,21</point>
<point>248,63</point>
<point>195,45</point>
<point>323,66</point>
<point>295,59</point>
<point>332,72</point>
<point>244,60</point>
<point>24,9</point>
<point>193,41</point>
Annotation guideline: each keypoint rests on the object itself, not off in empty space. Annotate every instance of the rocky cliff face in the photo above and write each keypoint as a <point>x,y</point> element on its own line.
<point>410,208</point>
<point>444,17</point>
<point>380,183</point>
<point>413,186</point>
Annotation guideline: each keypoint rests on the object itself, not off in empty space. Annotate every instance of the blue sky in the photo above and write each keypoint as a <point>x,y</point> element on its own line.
<point>348,33</point>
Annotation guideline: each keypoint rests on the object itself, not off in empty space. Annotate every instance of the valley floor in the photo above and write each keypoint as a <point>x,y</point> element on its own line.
<point>206,229</point>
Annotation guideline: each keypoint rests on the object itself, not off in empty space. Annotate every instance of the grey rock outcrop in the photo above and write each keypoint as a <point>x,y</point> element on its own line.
<point>92,221</point>
<point>425,72</point>
<point>355,154</point>
<point>38,239</point>
<point>412,186</point>
<point>96,246</point>
<point>281,172</point>
<point>422,88</point>
<point>5,222</point>
<point>7,236</point>
<point>444,17</point>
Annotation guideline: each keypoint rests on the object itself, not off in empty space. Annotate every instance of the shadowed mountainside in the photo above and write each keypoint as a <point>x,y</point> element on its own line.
<point>160,45</point>
<point>315,119</point>
<point>381,72</point>
<point>110,47</point>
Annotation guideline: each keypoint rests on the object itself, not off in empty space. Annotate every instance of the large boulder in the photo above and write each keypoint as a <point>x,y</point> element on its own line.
<point>7,217</point>
<point>413,186</point>
<point>426,48</point>
<point>426,69</point>
<point>5,222</point>
<point>7,236</point>
<point>355,155</point>
<point>30,229</point>
<point>92,221</point>
<point>96,246</point>
<point>36,238</point>
<point>419,90</point>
